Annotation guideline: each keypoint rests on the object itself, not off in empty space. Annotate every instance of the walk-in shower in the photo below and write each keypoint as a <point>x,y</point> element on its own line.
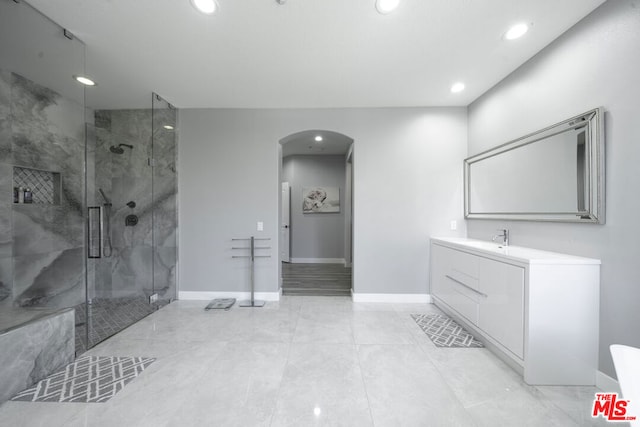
<point>70,248</point>
<point>136,273</point>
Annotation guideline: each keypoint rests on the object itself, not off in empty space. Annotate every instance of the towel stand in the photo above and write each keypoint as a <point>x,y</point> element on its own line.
<point>252,255</point>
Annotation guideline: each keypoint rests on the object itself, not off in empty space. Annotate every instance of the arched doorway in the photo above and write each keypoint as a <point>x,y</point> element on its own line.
<point>316,196</point>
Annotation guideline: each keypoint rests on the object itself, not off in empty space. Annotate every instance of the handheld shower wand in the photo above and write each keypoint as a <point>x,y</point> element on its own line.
<point>108,248</point>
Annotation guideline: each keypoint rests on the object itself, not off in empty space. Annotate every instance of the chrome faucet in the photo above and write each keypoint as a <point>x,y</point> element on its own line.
<point>504,235</point>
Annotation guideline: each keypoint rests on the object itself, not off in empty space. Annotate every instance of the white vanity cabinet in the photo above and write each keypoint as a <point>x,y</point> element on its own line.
<point>537,310</point>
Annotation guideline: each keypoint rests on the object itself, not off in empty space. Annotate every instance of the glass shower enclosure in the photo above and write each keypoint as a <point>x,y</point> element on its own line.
<point>131,214</point>
<point>97,231</point>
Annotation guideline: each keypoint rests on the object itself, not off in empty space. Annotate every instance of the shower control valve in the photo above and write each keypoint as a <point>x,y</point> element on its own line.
<point>131,220</point>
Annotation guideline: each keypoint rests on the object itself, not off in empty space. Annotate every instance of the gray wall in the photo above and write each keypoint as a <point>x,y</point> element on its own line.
<point>407,186</point>
<point>596,63</point>
<point>315,235</point>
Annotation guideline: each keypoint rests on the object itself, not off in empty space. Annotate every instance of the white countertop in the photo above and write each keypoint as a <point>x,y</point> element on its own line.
<point>516,253</point>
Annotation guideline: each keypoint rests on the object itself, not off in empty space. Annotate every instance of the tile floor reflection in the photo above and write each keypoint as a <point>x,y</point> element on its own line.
<point>307,361</point>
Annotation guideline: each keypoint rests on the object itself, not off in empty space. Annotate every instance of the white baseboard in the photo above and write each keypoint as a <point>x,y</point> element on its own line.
<point>207,296</point>
<point>394,298</point>
<point>605,383</point>
<point>317,260</point>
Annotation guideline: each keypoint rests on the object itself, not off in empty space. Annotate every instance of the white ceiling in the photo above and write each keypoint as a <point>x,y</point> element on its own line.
<point>303,143</point>
<point>305,53</point>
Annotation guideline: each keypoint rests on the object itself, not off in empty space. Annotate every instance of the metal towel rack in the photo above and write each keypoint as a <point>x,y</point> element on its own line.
<point>252,255</point>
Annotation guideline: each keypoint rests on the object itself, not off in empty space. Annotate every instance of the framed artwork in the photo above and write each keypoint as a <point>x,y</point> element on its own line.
<point>320,199</point>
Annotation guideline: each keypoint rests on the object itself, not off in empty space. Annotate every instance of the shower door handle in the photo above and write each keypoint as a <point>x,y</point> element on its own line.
<point>94,232</point>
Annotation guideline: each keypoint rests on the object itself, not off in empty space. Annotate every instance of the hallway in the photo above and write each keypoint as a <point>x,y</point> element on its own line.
<point>316,279</point>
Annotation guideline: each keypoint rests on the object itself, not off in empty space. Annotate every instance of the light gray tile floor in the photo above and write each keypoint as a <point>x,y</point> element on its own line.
<point>308,361</point>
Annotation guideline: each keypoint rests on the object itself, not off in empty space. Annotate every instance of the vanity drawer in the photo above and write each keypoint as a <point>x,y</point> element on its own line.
<point>456,287</point>
<point>464,301</point>
<point>465,266</point>
<point>459,267</point>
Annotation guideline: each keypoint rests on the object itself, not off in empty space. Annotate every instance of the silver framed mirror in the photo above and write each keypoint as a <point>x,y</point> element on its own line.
<point>555,174</point>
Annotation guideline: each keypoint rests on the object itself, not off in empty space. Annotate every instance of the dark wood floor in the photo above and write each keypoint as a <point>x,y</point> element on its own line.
<point>316,279</point>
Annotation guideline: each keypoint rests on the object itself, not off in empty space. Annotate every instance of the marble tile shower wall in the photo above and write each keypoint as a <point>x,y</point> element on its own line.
<point>125,178</point>
<point>41,246</point>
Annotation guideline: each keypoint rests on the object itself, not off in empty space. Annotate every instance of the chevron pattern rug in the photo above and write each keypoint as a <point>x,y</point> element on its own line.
<point>444,332</point>
<point>90,379</point>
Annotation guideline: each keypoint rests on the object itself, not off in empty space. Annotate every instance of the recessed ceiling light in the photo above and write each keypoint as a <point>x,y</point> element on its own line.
<point>457,87</point>
<point>386,6</point>
<point>168,127</point>
<point>208,7</point>
<point>318,138</point>
<point>85,80</point>
<point>516,31</point>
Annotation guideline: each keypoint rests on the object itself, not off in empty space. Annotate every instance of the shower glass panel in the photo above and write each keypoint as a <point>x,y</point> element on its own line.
<point>131,177</point>
<point>119,182</point>
<point>164,186</point>
<point>42,179</point>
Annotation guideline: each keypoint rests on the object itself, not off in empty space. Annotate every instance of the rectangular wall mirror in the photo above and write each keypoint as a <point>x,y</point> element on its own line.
<point>555,174</point>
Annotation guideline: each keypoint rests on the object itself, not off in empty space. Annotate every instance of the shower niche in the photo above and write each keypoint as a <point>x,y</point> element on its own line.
<point>45,186</point>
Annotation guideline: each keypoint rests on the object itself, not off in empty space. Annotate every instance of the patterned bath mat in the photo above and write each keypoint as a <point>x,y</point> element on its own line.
<point>444,332</point>
<point>90,379</point>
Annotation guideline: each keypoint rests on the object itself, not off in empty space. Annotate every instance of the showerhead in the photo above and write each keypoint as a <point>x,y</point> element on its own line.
<point>119,149</point>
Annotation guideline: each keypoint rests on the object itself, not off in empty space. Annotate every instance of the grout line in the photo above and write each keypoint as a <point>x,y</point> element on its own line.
<point>364,383</point>
<point>280,386</point>
<point>446,383</point>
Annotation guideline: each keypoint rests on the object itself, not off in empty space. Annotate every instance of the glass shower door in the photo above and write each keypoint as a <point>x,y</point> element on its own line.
<point>132,216</point>
<point>164,190</point>
<point>120,201</point>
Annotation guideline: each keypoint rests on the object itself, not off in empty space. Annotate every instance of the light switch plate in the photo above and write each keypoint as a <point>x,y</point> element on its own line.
<point>260,226</point>
<point>454,225</point>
